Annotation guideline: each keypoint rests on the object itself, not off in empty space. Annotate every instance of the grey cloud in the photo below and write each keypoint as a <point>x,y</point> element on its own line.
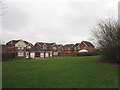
<point>60,21</point>
<point>14,19</point>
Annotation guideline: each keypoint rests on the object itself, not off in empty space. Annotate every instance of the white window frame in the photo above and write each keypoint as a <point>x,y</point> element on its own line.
<point>20,54</point>
<point>55,53</point>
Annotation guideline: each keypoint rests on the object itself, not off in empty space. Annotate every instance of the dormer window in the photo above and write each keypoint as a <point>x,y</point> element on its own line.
<point>44,47</point>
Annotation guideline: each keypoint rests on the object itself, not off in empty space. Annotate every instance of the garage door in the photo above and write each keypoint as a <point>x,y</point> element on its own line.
<point>42,55</point>
<point>32,55</point>
<point>46,54</point>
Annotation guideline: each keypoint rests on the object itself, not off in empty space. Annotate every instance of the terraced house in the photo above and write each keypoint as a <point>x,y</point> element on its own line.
<point>18,48</point>
<point>24,49</point>
<point>44,50</point>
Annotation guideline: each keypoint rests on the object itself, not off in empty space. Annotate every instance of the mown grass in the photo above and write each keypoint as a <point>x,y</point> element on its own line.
<point>72,72</point>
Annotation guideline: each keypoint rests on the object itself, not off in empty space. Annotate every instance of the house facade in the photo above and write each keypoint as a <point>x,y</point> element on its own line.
<point>85,45</point>
<point>68,50</point>
<point>18,48</point>
<point>24,49</point>
<point>44,50</point>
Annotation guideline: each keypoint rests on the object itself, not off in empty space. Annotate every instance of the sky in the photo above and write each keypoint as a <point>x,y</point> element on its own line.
<point>60,21</point>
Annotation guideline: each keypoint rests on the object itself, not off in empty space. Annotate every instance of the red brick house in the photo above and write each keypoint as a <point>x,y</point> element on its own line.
<point>44,50</point>
<point>85,45</point>
<point>68,50</point>
<point>24,49</point>
<point>18,48</point>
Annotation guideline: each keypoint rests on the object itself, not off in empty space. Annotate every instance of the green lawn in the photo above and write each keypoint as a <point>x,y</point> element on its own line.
<point>72,72</point>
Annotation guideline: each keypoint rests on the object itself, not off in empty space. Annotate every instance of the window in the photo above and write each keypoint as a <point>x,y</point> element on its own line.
<point>68,48</point>
<point>54,48</point>
<point>44,47</point>
<point>55,53</point>
<point>28,47</point>
<point>20,53</point>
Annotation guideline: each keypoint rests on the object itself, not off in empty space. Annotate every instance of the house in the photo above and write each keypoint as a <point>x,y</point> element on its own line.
<point>85,45</point>
<point>18,48</point>
<point>24,49</point>
<point>76,47</point>
<point>44,50</point>
<point>68,48</point>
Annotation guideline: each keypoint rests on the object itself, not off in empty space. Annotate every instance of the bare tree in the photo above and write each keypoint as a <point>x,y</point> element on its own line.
<point>107,33</point>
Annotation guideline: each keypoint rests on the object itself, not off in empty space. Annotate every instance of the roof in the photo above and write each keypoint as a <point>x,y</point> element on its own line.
<point>60,45</point>
<point>40,43</point>
<point>48,44</point>
<point>39,49</point>
<point>68,46</point>
<point>28,43</point>
<point>13,42</point>
<point>88,43</point>
<point>76,44</point>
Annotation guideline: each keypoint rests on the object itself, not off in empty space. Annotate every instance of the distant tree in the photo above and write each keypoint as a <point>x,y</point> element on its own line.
<point>107,33</point>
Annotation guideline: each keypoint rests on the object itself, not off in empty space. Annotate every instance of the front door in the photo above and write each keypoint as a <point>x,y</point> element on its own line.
<point>50,54</point>
<point>27,54</point>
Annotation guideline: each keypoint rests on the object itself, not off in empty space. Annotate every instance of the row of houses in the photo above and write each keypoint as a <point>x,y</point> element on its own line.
<point>24,49</point>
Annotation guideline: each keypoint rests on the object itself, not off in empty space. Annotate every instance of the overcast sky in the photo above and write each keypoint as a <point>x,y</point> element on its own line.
<point>60,21</point>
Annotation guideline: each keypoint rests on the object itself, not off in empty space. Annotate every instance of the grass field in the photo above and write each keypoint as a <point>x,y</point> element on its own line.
<point>72,72</point>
